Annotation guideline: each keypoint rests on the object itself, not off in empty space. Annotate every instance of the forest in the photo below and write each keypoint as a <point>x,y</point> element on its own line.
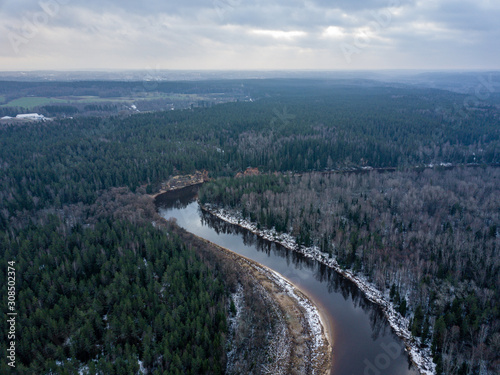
<point>429,238</point>
<point>107,295</point>
<point>102,290</point>
<point>63,183</point>
<point>71,160</point>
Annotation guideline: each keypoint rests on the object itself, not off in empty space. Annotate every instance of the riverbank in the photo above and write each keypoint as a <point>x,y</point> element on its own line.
<point>179,183</point>
<point>421,357</point>
<point>311,348</point>
<point>305,343</point>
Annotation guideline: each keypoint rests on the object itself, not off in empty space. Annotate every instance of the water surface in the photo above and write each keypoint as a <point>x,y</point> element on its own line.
<point>363,341</point>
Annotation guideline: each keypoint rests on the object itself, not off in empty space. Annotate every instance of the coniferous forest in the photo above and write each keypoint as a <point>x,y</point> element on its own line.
<point>112,295</point>
<point>99,286</point>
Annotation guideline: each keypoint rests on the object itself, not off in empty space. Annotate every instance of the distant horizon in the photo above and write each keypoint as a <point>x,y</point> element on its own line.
<point>111,70</point>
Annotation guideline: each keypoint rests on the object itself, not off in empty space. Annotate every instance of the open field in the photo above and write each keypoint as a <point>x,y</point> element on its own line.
<point>31,102</point>
<point>35,101</point>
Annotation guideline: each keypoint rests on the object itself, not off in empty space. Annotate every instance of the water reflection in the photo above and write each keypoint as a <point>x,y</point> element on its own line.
<point>336,283</point>
<point>363,341</point>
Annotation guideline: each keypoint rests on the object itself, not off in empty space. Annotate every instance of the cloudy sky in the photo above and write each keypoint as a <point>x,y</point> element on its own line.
<point>249,34</point>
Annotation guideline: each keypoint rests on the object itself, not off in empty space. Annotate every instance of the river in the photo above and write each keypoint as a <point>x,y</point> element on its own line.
<point>363,342</point>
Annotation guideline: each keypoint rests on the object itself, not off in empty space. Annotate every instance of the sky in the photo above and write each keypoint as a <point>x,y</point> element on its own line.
<point>249,34</point>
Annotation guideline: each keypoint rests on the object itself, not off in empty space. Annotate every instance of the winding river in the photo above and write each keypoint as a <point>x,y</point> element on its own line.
<point>363,342</point>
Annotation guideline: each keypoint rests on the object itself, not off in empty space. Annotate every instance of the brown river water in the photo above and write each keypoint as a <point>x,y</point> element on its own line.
<point>363,342</point>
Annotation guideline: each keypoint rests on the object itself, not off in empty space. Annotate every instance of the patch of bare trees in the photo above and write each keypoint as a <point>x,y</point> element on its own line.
<point>433,236</point>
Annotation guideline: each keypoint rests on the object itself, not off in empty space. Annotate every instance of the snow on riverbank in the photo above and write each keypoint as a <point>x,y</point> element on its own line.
<point>422,358</point>
<point>311,313</point>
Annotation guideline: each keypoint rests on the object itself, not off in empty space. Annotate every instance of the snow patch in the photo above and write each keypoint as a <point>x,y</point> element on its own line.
<point>238,299</point>
<point>142,369</point>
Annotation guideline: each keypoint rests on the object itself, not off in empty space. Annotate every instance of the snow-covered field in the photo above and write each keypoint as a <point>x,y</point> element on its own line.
<point>422,358</point>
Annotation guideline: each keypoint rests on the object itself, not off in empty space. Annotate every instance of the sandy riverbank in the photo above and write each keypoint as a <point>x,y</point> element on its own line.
<point>324,318</point>
<point>311,352</point>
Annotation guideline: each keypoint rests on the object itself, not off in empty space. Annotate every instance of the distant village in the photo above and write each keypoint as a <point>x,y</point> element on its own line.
<point>26,116</point>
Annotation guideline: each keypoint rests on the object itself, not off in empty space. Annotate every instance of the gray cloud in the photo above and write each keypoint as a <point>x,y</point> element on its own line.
<point>244,34</point>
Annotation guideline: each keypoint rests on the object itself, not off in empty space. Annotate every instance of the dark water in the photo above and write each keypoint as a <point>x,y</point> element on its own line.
<point>363,343</point>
